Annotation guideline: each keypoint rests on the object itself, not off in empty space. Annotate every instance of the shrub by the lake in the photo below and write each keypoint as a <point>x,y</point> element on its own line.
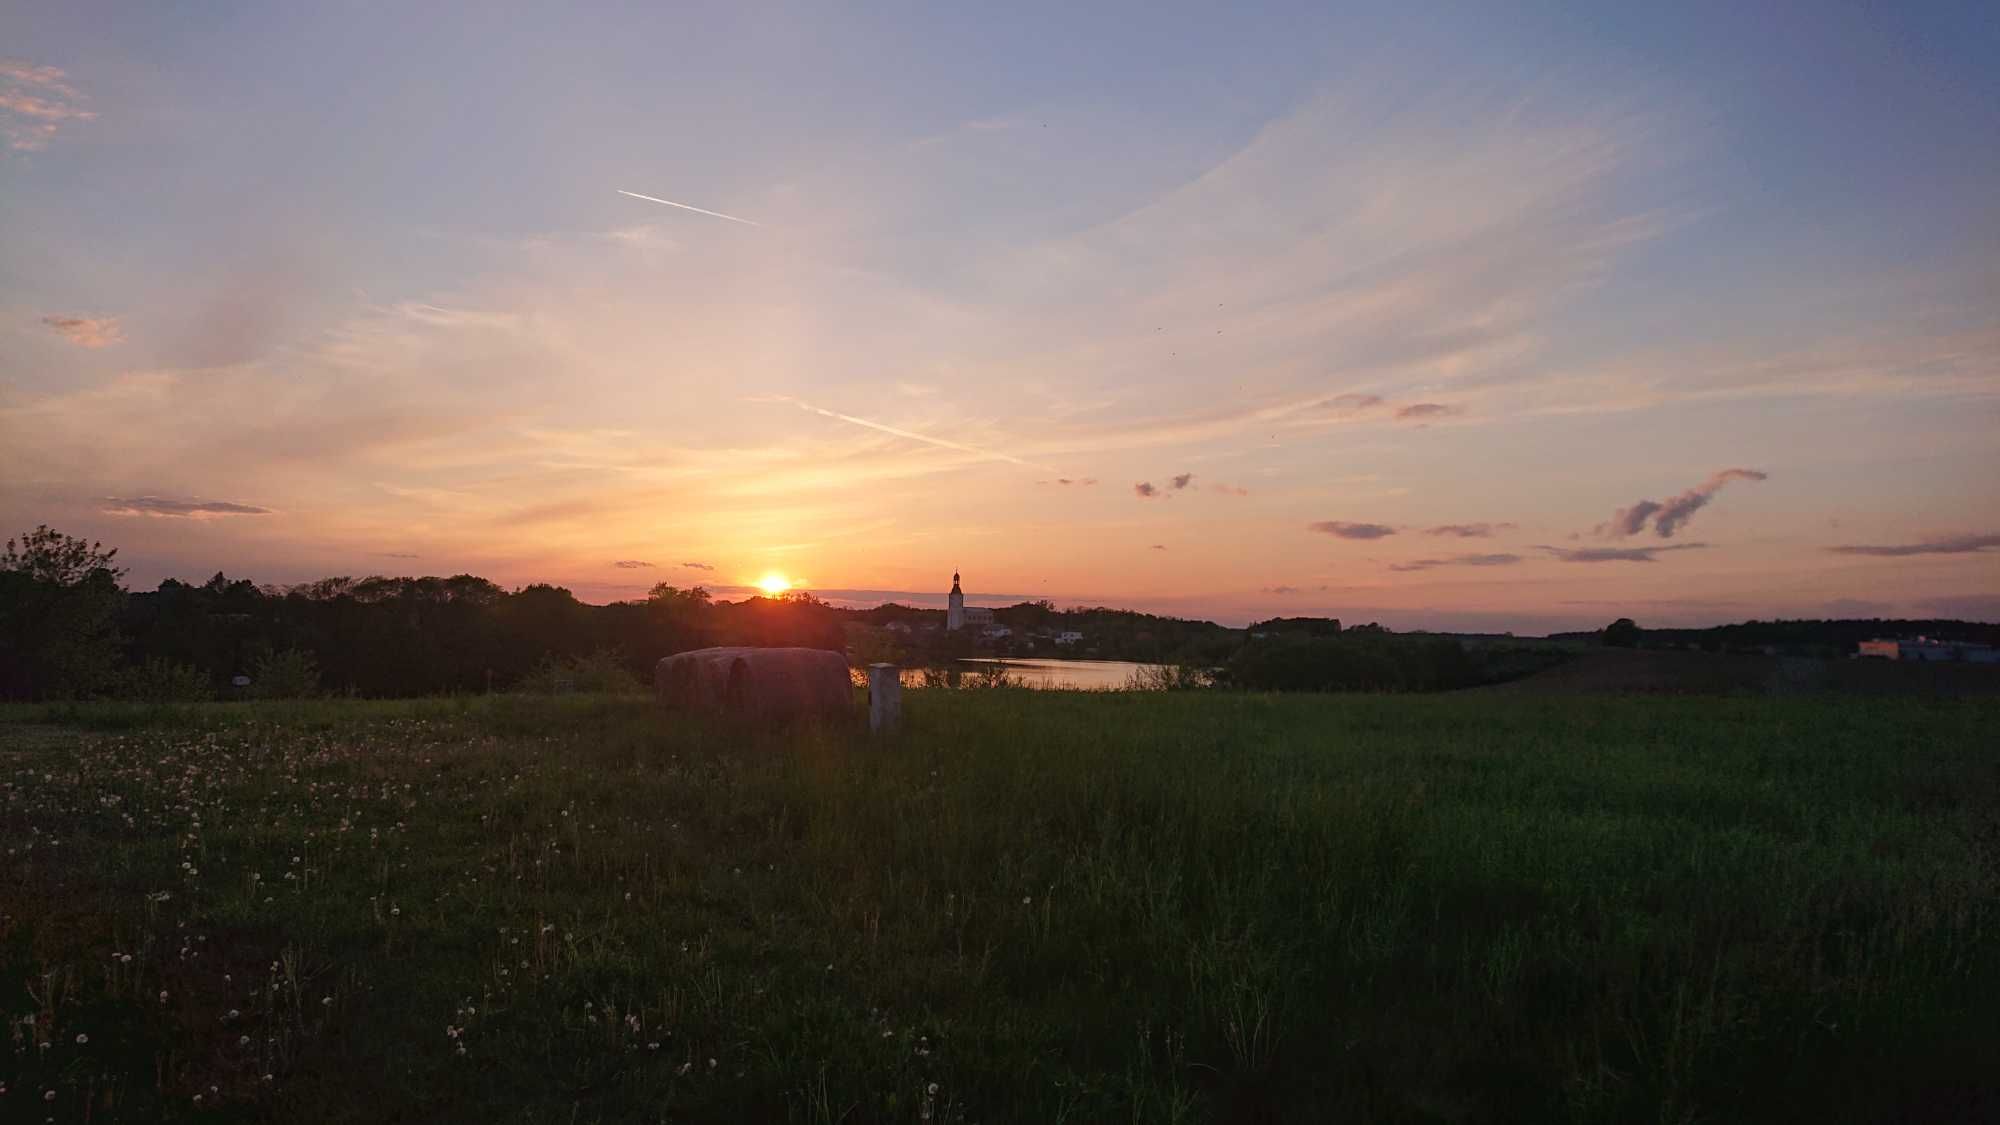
<point>602,672</point>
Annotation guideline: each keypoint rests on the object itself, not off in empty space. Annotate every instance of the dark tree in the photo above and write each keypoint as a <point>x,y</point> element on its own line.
<point>1622,633</point>
<point>59,606</point>
<point>47,555</point>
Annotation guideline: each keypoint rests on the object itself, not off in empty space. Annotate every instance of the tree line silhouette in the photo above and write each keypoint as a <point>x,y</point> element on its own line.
<point>68,629</point>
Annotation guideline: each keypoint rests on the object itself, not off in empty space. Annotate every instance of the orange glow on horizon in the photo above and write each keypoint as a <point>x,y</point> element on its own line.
<point>774,583</point>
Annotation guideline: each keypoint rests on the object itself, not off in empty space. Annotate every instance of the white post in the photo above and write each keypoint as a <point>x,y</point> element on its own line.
<point>885,698</point>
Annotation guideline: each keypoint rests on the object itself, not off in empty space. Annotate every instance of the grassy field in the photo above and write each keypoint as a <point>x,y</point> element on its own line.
<point>1028,908</point>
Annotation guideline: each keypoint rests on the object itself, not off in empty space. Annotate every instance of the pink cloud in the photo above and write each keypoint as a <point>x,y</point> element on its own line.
<point>87,331</point>
<point>1668,516</point>
<point>1423,410</point>
<point>1344,530</point>
<point>35,103</point>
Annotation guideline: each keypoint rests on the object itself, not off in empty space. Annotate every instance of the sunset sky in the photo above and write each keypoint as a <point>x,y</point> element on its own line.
<point>1423,314</point>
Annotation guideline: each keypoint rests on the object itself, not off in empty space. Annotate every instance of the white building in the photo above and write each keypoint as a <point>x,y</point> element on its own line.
<point>958,615</point>
<point>1069,637</point>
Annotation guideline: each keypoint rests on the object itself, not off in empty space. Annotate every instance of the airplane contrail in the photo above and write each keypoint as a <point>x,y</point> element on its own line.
<point>688,207</point>
<point>941,443</point>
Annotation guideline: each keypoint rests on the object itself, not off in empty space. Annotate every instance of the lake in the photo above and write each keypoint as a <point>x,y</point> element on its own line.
<point>1066,675</point>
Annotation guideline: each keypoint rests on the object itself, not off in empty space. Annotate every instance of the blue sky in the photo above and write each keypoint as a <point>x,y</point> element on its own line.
<point>365,267</point>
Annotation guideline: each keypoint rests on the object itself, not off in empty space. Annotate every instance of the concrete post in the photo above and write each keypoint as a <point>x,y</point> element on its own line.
<point>885,698</point>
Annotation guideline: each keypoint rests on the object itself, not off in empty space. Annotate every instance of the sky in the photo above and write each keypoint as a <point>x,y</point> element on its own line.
<point>1442,316</point>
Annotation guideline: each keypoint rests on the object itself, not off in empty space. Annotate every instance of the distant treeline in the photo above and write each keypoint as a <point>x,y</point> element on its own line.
<point>1821,638</point>
<point>1316,654</point>
<point>68,629</point>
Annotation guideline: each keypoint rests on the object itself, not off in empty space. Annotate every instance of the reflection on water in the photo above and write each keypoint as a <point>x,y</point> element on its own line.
<point>1066,675</point>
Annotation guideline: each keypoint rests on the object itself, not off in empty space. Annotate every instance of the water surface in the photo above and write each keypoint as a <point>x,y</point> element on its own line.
<point>1068,675</point>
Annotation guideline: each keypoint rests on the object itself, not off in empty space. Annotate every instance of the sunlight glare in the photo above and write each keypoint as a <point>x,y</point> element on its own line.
<point>774,583</point>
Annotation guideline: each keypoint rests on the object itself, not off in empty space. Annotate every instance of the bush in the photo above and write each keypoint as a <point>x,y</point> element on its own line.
<point>59,606</point>
<point>160,680</point>
<point>1169,677</point>
<point>602,672</point>
<point>1622,633</point>
<point>1356,660</point>
<point>289,674</point>
<point>959,676</point>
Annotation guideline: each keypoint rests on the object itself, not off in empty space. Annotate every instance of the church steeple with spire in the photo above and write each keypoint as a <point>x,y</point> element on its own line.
<point>954,613</point>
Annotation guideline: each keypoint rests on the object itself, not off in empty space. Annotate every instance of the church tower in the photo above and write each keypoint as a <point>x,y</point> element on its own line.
<point>954,614</point>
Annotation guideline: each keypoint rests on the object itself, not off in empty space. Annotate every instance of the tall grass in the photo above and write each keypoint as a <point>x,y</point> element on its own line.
<point>1030,906</point>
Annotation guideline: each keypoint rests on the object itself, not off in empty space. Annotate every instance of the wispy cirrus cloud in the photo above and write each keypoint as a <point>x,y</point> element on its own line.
<point>1229,489</point>
<point>87,331</point>
<point>1670,515</point>
<point>1616,554</point>
<point>1352,403</point>
<point>633,564</point>
<point>1423,411</point>
<point>896,431</point>
<point>697,566</point>
<point>35,103</point>
<point>1341,529</point>
<point>1939,545</point>
<point>1469,530</point>
<point>180,509</point>
<point>1457,560</point>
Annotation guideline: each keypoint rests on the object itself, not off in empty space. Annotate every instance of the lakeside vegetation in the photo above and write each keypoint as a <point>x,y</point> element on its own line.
<point>1028,907</point>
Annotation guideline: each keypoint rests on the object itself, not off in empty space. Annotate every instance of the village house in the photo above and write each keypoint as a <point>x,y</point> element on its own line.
<point>1928,650</point>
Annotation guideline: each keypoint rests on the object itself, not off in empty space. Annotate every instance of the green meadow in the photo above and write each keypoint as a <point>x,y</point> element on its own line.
<point>1027,907</point>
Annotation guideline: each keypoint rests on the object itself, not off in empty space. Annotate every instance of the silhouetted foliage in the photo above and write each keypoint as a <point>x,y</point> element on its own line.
<point>1354,660</point>
<point>160,680</point>
<point>599,673</point>
<point>1371,658</point>
<point>1302,626</point>
<point>68,630</point>
<point>1805,637</point>
<point>1622,633</point>
<point>290,674</point>
<point>59,607</point>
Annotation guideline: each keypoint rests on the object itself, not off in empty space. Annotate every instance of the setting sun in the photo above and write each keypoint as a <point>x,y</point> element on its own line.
<point>774,583</point>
